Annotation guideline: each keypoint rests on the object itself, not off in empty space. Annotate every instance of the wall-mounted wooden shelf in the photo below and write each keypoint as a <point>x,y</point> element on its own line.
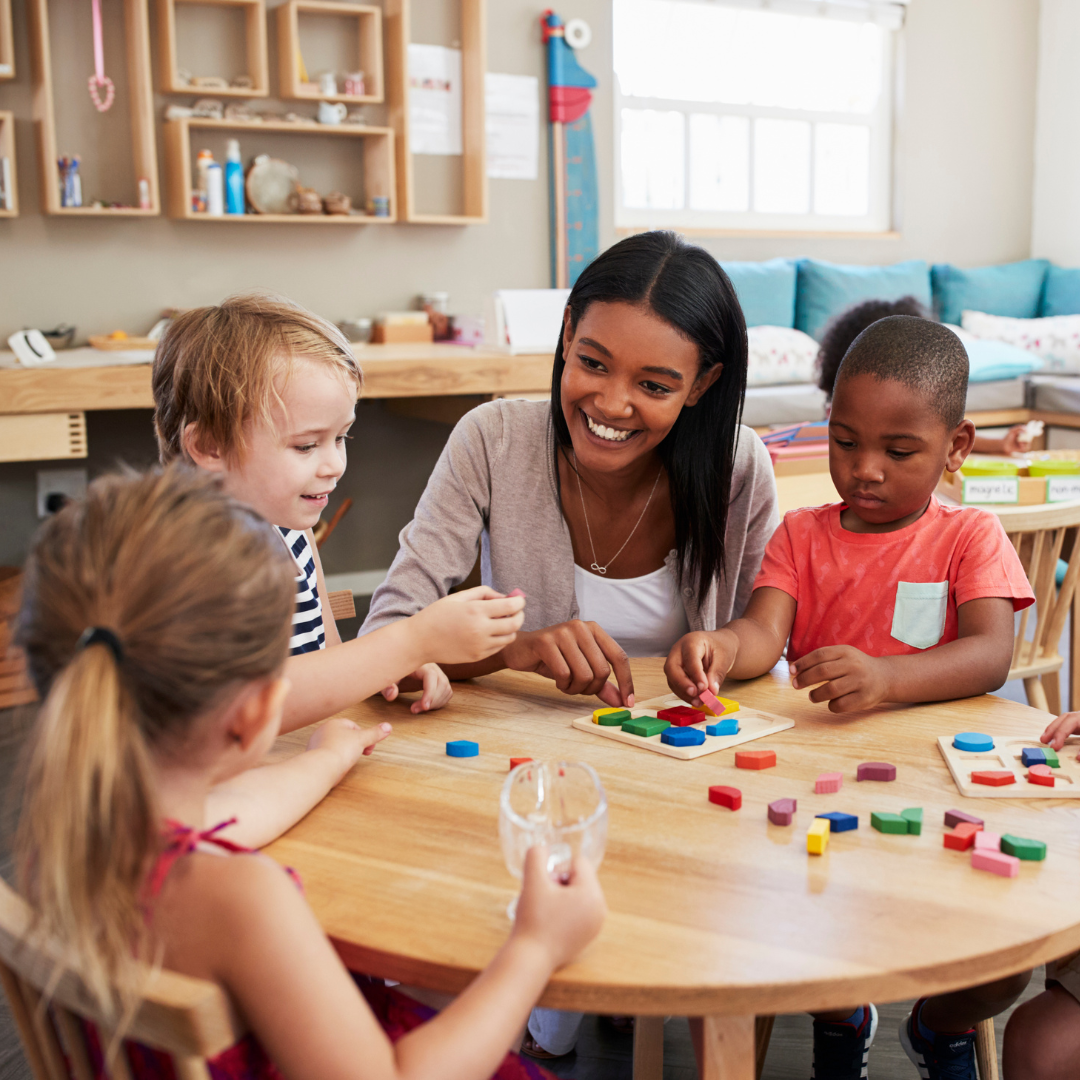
<point>474,209</point>
<point>7,150</point>
<point>254,12</point>
<point>378,168</point>
<point>368,54</point>
<point>140,106</point>
<point>7,42</point>
<point>43,436</point>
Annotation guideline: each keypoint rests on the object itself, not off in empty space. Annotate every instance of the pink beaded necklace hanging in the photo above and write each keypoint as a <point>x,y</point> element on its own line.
<point>99,81</point>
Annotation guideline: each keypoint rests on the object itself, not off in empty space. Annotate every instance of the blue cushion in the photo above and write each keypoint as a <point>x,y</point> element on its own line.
<point>825,289</point>
<point>992,360</point>
<point>1014,289</point>
<point>1061,295</point>
<point>766,290</point>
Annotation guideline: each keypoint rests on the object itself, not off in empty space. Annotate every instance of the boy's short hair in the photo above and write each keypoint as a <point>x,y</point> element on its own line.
<point>217,366</point>
<point>923,355</point>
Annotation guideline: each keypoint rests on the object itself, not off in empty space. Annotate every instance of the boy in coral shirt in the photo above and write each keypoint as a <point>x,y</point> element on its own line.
<point>886,596</point>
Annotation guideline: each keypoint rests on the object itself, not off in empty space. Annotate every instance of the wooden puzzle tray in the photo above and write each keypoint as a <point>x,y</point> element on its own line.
<point>753,724</point>
<point>1006,755</point>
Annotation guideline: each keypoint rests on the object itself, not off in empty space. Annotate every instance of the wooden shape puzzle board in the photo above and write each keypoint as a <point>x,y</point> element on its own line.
<point>752,725</point>
<point>1006,755</point>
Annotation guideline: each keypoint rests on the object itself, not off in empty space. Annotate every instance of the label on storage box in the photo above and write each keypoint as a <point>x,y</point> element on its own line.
<point>991,489</point>
<point>1062,488</point>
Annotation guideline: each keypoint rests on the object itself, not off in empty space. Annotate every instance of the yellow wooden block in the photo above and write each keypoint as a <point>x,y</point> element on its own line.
<point>817,839</point>
<point>603,712</point>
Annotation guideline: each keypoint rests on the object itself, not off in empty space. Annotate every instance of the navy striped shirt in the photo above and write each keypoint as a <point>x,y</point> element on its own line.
<point>308,634</point>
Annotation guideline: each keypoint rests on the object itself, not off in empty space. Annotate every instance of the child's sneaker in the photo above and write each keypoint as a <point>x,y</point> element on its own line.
<point>939,1056</point>
<point>842,1048</point>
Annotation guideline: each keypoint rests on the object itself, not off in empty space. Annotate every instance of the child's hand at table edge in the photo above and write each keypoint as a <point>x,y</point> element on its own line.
<point>700,661</point>
<point>560,918</point>
<point>1057,731</point>
<point>431,680</point>
<point>346,740</point>
<point>849,679</point>
<point>469,626</point>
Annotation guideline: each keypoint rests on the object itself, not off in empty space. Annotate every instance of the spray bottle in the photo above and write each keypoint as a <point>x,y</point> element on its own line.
<point>234,178</point>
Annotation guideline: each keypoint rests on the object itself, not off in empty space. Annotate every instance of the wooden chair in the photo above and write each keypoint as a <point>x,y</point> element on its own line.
<point>187,1018</point>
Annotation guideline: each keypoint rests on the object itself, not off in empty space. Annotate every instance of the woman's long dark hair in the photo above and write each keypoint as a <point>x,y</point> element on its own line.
<point>683,285</point>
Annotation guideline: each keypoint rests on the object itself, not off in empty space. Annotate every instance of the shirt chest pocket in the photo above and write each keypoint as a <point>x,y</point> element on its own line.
<point>919,612</point>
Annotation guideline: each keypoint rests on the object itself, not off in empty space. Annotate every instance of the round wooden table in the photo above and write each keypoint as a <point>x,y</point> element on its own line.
<point>713,913</point>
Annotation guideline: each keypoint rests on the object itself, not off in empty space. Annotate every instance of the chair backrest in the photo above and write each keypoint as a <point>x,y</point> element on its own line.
<point>189,1019</point>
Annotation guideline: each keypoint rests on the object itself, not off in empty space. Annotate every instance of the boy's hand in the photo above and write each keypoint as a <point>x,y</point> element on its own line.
<point>1060,729</point>
<point>346,741</point>
<point>432,680</point>
<point>469,626</point>
<point>700,661</point>
<point>850,680</point>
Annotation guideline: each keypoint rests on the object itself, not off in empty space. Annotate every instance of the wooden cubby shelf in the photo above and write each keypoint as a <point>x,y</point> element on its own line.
<point>7,42</point>
<point>254,12</point>
<point>378,168</point>
<point>368,56</point>
<point>8,180</point>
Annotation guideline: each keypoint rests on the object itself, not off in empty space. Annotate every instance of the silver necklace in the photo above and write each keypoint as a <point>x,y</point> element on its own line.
<point>595,566</point>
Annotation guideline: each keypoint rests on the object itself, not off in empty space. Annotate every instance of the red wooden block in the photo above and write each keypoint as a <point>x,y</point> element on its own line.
<point>993,777</point>
<point>1041,774</point>
<point>962,837</point>
<point>516,761</point>
<point>755,759</point>
<point>731,797</point>
<point>680,716</point>
<point>876,770</point>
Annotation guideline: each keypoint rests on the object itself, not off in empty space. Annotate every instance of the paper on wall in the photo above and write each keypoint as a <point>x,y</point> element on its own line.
<point>512,104</point>
<point>434,100</point>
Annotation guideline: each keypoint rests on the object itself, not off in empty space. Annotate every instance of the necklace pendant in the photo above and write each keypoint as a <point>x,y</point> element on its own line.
<point>599,569</point>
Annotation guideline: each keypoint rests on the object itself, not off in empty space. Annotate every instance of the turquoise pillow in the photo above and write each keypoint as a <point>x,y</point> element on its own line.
<point>825,289</point>
<point>1062,293</point>
<point>991,360</point>
<point>1014,289</point>
<point>766,290</point>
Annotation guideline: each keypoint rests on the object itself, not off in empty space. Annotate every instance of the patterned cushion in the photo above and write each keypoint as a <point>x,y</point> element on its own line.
<point>779,354</point>
<point>1055,339</point>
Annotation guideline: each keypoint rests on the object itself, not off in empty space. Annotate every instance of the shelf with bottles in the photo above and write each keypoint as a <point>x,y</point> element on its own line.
<point>9,191</point>
<point>7,42</point>
<point>371,179</point>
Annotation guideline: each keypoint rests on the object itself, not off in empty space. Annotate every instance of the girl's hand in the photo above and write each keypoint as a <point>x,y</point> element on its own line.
<point>347,741</point>
<point>579,657</point>
<point>562,918</point>
<point>1017,440</point>
<point>432,680</point>
<point>1059,730</point>
<point>849,679</point>
<point>700,661</point>
<point>469,626</point>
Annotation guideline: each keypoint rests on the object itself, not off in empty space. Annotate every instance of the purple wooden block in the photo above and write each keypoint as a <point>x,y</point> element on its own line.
<point>955,817</point>
<point>782,811</point>
<point>876,770</point>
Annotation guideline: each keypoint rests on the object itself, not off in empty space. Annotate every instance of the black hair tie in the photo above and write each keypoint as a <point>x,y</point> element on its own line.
<point>101,635</point>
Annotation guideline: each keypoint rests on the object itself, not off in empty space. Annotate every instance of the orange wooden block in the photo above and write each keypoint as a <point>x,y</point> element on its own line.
<point>993,778</point>
<point>962,837</point>
<point>516,761</point>
<point>755,759</point>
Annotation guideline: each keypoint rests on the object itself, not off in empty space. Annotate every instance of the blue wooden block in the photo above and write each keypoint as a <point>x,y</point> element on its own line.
<point>1032,756</point>
<point>839,822</point>
<point>974,742</point>
<point>727,726</point>
<point>462,748</point>
<point>683,736</point>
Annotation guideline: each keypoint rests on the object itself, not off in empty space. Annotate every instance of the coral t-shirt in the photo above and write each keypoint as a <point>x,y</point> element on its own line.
<point>889,594</point>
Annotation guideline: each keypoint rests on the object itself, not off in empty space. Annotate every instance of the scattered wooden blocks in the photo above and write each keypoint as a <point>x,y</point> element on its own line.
<point>782,811</point>
<point>755,759</point>
<point>677,736</point>
<point>913,817</point>
<point>731,797</point>
<point>516,761</point>
<point>1032,756</point>
<point>889,823</point>
<point>817,839</point>
<point>828,783</point>
<point>730,726</point>
<point>611,717</point>
<point>1028,850</point>
<point>987,841</point>
<point>1051,758</point>
<point>973,742</point>
<point>680,715</point>
<point>1041,774</point>
<point>646,726</point>
<point>839,822</point>
<point>954,817</point>
<point>962,837</point>
<point>876,770</point>
<point>993,777</point>
<point>462,748</point>
<point>996,862</point>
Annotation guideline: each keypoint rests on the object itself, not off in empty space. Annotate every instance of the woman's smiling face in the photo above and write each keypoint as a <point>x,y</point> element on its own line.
<point>627,376</point>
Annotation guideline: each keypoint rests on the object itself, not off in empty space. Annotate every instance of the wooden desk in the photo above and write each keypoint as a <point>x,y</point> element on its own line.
<point>712,913</point>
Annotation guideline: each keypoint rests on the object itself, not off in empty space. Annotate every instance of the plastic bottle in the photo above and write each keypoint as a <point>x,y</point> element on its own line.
<point>201,162</point>
<point>234,178</point>
<point>215,189</point>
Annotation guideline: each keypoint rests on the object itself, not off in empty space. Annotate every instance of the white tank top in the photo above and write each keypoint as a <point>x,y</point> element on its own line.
<point>643,614</point>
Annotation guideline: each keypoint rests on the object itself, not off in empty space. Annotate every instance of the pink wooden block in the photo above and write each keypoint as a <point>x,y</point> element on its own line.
<point>710,699</point>
<point>782,811</point>
<point>987,841</point>
<point>828,783</point>
<point>995,862</point>
<point>876,770</point>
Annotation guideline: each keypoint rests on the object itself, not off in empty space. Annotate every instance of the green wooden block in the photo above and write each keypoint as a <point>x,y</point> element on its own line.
<point>889,823</point>
<point>1051,758</point>
<point>613,719</point>
<point>913,817</point>
<point>646,726</point>
<point>1028,850</point>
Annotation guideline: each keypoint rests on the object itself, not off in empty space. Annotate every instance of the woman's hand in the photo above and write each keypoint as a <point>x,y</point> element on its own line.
<point>469,626</point>
<point>1060,729</point>
<point>700,661</point>
<point>579,657</point>
<point>842,675</point>
<point>432,680</point>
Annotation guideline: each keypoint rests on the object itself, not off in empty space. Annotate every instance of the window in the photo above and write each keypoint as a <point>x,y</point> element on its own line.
<point>730,116</point>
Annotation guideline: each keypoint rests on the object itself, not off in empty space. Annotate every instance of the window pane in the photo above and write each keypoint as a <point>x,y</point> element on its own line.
<point>782,166</point>
<point>692,51</point>
<point>719,162</point>
<point>841,169</point>
<point>653,156</point>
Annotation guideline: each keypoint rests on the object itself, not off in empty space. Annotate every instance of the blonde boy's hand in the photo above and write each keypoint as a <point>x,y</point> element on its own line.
<point>431,680</point>
<point>346,741</point>
<point>1059,730</point>
<point>700,661</point>
<point>849,679</point>
<point>471,625</point>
